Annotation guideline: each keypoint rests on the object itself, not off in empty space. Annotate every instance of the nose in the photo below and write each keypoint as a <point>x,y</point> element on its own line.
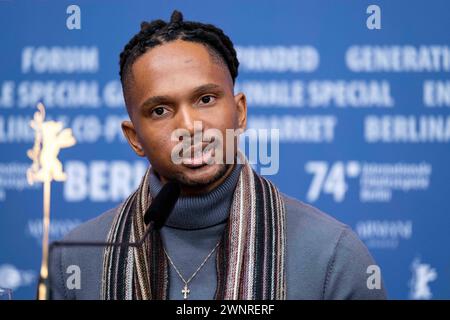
<point>189,120</point>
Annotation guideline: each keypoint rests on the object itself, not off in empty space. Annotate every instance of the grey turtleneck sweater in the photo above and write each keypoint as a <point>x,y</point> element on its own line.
<point>191,233</point>
<point>324,258</point>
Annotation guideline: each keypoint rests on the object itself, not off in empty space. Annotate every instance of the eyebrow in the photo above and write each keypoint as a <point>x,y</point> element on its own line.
<point>155,100</point>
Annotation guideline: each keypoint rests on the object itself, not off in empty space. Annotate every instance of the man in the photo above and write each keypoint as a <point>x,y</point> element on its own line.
<point>232,234</point>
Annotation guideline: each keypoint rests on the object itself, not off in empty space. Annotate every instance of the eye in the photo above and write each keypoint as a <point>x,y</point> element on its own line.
<point>207,99</point>
<point>159,111</point>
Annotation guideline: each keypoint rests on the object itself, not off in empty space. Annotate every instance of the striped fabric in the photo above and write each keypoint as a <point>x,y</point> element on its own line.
<point>250,261</point>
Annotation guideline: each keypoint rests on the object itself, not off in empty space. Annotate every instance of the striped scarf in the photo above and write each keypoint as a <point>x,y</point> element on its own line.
<point>250,260</point>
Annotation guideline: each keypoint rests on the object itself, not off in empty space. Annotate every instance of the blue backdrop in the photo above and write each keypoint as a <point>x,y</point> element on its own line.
<point>363,114</point>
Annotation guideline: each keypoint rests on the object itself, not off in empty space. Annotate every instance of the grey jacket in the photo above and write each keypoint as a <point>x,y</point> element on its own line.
<point>325,260</point>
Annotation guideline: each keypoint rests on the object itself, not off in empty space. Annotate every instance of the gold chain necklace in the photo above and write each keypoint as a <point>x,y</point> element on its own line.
<point>185,292</point>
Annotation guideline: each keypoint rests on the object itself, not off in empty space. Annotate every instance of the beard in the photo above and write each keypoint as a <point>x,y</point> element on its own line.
<point>184,180</point>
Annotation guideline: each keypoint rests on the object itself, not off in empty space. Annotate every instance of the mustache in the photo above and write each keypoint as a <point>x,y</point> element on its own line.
<point>192,150</point>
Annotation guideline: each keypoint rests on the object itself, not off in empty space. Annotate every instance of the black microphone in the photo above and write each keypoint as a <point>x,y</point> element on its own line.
<point>155,217</point>
<point>162,205</point>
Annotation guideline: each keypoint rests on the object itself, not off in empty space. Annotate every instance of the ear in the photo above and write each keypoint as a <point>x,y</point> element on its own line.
<point>241,107</point>
<point>132,138</point>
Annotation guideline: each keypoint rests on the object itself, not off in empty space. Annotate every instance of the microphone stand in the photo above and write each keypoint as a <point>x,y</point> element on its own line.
<point>157,214</point>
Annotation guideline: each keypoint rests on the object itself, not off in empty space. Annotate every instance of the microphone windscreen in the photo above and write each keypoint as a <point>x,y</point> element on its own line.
<point>162,205</point>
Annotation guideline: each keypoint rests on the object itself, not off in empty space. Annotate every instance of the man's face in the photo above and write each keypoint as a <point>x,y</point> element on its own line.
<point>173,85</point>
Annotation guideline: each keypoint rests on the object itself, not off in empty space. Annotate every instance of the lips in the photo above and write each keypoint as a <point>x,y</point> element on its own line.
<point>198,159</point>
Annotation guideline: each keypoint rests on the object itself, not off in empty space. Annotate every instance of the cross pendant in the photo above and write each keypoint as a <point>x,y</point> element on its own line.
<point>185,292</point>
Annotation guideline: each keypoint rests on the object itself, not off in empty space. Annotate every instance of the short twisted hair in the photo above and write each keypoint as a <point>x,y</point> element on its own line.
<point>157,32</point>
